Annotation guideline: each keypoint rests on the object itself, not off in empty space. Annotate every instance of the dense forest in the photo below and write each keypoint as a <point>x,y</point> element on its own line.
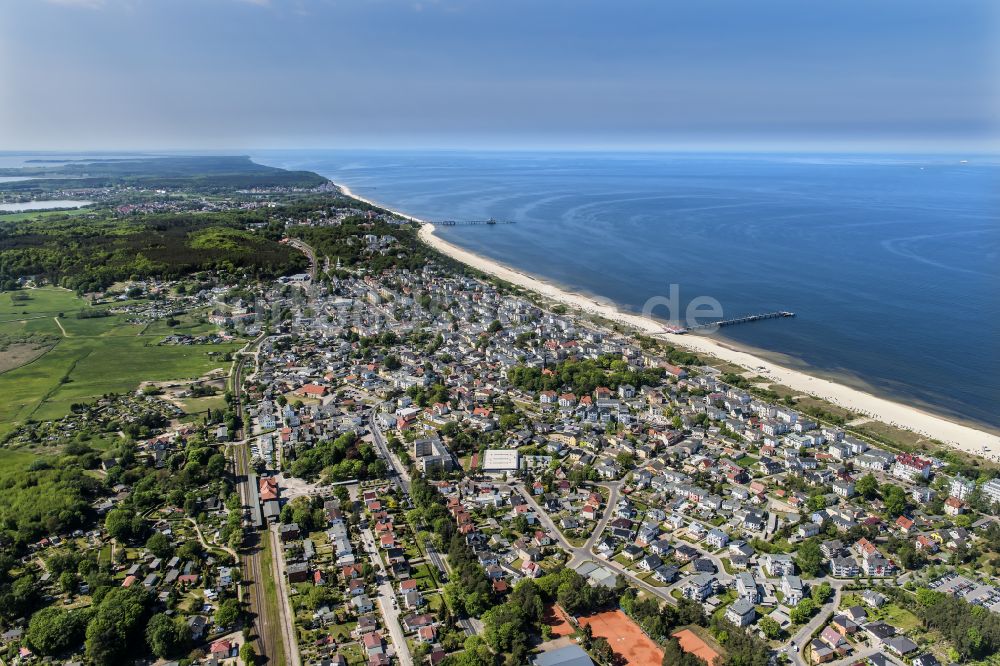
<point>196,173</point>
<point>973,630</point>
<point>51,498</point>
<point>90,253</point>
<point>344,242</point>
<point>90,250</point>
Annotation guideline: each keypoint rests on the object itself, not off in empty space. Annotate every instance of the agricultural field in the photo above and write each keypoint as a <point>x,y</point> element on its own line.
<point>90,357</point>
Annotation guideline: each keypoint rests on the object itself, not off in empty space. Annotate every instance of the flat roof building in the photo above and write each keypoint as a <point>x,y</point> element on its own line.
<point>571,655</point>
<point>501,461</point>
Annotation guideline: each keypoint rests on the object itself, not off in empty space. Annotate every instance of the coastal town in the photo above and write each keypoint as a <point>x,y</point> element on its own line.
<point>521,333</point>
<point>366,452</point>
<point>421,465</point>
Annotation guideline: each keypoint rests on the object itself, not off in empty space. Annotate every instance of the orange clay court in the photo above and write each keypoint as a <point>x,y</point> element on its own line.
<point>691,642</point>
<point>625,637</point>
<point>555,617</point>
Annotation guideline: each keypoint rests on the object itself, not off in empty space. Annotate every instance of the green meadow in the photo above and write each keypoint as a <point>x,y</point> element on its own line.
<point>47,301</point>
<point>14,461</point>
<point>92,357</point>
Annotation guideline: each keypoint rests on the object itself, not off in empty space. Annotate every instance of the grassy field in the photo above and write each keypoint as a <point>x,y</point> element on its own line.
<point>92,356</point>
<point>14,461</point>
<point>46,301</point>
<point>199,405</point>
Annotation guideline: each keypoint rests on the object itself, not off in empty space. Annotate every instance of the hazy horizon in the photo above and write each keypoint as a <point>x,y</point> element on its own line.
<point>735,150</point>
<point>898,76</point>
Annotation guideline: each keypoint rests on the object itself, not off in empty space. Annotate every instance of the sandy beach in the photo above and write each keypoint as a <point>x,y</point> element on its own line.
<point>959,435</point>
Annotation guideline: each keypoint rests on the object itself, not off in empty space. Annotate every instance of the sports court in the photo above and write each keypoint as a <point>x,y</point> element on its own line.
<point>693,643</point>
<point>555,617</point>
<point>625,637</point>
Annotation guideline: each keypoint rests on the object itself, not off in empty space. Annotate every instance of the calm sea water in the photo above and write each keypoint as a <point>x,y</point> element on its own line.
<point>42,205</point>
<point>892,263</point>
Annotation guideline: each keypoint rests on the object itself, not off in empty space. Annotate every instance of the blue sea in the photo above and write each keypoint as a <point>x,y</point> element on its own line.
<point>891,263</point>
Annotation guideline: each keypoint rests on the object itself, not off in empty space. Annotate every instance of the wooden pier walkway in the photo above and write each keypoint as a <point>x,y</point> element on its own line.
<point>746,319</point>
<point>463,223</point>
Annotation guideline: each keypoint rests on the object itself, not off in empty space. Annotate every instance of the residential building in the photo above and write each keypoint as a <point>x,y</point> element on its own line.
<point>792,590</point>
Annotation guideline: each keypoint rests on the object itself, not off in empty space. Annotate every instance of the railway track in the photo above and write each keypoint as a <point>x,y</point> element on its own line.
<point>251,566</point>
<point>265,628</point>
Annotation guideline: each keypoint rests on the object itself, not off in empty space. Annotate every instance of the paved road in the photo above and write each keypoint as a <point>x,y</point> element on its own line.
<point>396,467</point>
<point>583,553</point>
<point>801,637</point>
<point>435,557</point>
<point>472,626</point>
<point>387,601</point>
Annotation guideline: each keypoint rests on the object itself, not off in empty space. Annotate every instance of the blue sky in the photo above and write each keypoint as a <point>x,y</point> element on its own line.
<point>843,74</point>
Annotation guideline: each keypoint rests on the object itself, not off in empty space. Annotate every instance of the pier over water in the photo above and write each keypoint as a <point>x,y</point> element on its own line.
<point>746,319</point>
<point>464,223</point>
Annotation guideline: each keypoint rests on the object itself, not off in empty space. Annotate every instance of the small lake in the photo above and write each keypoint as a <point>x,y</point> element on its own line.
<point>42,205</point>
<point>13,179</point>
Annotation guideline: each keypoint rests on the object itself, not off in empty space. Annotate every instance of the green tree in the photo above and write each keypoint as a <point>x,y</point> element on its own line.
<point>810,558</point>
<point>228,613</point>
<point>118,523</point>
<point>520,524</point>
<point>53,631</point>
<point>167,637</point>
<point>160,546</point>
<point>894,499</point>
<point>67,582</point>
<point>216,466</point>
<point>867,486</point>
<point>191,550</point>
<point>248,654</point>
<point>602,651</point>
<point>801,613</point>
<point>770,627</point>
<point>476,653</point>
<point>625,460</point>
<point>115,630</point>
<point>821,593</point>
<point>235,540</point>
<point>104,642</point>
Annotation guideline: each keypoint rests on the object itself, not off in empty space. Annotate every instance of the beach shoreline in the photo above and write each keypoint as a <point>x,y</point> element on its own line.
<point>953,433</point>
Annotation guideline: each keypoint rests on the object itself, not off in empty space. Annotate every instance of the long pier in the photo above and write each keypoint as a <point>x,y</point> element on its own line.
<point>464,223</point>
<point>735,320</point>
